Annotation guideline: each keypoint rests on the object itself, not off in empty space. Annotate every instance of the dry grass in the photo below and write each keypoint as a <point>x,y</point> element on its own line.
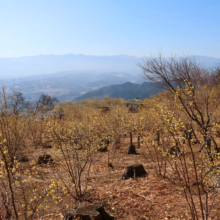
<point>152,197</point>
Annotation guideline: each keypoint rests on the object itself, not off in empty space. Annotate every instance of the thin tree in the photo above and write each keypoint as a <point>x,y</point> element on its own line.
<point>176,73</point>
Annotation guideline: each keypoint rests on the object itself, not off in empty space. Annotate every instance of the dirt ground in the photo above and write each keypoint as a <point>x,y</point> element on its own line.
<point>152,197</point>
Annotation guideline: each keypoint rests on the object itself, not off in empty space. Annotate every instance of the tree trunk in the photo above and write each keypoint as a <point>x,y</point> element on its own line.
<point>132,150</point>
<point>138,140</point>
<point>158,138</point>
<point>134,171</point>
<point>131,138</point>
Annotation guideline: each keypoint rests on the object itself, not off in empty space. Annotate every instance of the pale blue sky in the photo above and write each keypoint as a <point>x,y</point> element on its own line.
<point>109,27</point>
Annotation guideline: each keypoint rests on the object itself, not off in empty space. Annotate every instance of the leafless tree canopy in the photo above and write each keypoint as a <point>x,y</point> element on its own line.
<point>203,99</point>
<point>170,72</point>
<point>45,101</point>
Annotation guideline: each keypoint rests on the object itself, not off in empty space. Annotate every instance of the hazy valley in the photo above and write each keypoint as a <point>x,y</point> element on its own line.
<point>70,77</point>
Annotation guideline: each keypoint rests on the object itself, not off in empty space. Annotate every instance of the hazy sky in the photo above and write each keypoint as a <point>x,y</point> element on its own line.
<point>109,27</point>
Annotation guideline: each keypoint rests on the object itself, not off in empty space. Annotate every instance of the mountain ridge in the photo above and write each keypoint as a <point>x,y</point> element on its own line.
<point>127,90</point>
<point>69,76</point>
<point>47,64</point>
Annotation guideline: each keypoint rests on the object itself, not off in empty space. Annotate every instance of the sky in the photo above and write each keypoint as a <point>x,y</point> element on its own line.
<point>109,27</point>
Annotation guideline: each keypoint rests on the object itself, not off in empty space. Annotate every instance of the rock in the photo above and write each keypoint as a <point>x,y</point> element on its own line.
<point>134,171</point>
<point>90,212</point>
<point>45,159</point>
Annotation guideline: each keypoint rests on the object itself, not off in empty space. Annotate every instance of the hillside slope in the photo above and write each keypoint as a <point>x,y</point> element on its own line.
<point>126,91</point>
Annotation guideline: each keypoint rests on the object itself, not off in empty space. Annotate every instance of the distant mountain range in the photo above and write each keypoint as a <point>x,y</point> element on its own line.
<point>45,64</point>
<point>28,66</point>
<point>70,77</point>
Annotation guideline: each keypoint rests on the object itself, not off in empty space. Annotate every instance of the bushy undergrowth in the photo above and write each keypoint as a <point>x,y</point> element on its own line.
<point>84,129</point>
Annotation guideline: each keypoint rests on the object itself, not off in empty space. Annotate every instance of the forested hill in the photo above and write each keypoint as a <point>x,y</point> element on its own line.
<point>126,91</point>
